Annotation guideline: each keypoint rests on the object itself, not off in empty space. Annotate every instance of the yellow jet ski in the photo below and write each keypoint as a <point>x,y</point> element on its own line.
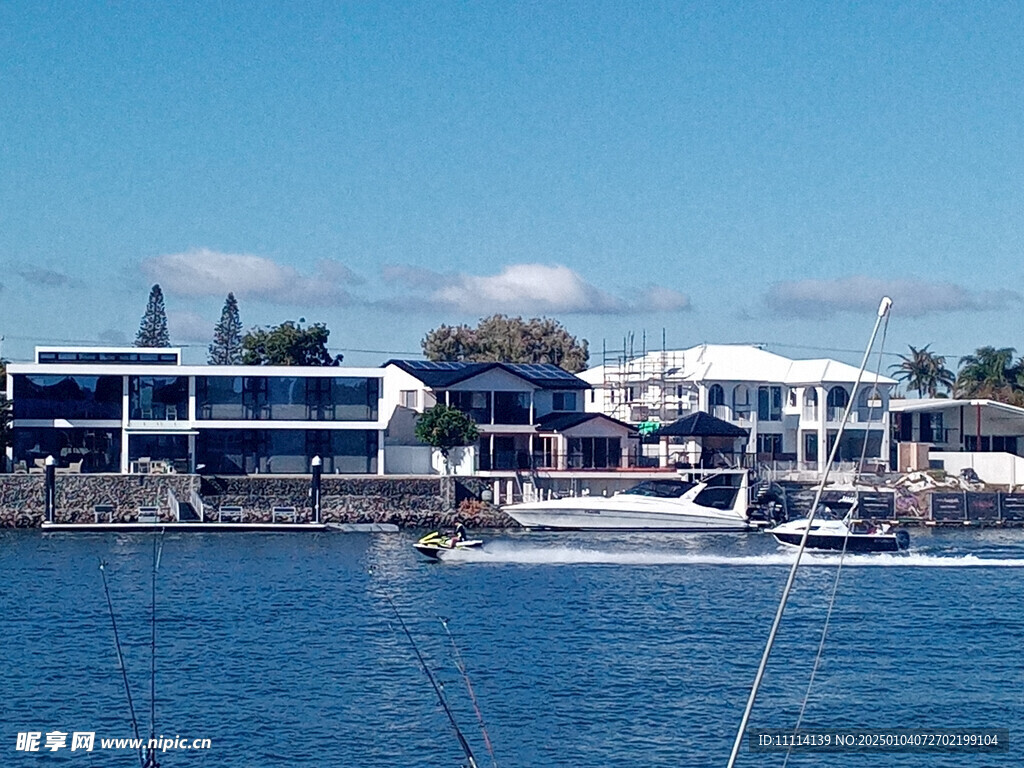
<point>434,543</point>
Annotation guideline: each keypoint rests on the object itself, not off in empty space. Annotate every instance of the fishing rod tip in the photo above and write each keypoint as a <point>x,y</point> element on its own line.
<point>884,306</point>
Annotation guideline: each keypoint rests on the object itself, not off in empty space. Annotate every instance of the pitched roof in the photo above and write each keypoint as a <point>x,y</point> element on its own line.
<point>444,374</point>
<point>737,362</point>
<point>702,424</point>
<point>561,421</point>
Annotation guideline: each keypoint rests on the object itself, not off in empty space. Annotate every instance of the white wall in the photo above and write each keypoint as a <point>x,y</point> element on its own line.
<point>408,460</point>
<point>462,461</point>
<point>993,468</point>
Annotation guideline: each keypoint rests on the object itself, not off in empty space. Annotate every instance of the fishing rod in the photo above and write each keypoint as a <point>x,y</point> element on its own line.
<point>437,687</point>
<point>469,687</point>
<point>120,662</point>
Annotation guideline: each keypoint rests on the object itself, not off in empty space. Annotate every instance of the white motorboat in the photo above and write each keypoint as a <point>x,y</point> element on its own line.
<point>652,505</point>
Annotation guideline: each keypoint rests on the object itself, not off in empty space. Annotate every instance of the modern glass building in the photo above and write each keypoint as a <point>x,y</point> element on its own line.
<point>140,410</point>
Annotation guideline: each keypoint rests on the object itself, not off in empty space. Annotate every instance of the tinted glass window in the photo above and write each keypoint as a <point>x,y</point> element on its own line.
<point>67,397</point>
<point>84,450</point>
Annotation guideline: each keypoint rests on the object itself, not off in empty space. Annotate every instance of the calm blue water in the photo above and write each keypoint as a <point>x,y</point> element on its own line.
<point>583,650</point>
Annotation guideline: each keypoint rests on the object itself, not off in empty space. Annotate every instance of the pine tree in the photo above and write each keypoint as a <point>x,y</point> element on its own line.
<point>153,328</point>
<point>227,336</point>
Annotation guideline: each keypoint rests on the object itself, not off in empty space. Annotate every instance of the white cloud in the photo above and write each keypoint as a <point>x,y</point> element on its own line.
<point>412,277</point>
<point>911,298</point>
<point>661,299</point>
<point>203,272</point>
<point>185,327</point>
<point>520,289</point>
<point>530,288</point>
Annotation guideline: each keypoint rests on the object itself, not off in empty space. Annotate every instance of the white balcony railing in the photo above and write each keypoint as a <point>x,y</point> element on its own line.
<point>723,412</point>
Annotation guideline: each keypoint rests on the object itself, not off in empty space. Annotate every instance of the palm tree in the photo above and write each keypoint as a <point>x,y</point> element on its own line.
<point>989,371</point>
<point>924,371</point>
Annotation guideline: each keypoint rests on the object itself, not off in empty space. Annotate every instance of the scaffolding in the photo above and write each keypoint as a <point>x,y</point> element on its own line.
<point>644,387</point>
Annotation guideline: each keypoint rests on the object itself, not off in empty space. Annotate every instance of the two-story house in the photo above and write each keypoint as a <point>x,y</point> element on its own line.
<point>792,408</point>
<point>140,410</point>
<point>529,416</point>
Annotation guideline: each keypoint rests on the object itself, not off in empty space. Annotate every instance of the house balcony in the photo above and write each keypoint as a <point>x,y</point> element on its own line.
<point>159,418</point>
<point>862,415</point>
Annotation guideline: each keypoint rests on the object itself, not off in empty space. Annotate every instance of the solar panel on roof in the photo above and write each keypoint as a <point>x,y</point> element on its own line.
<point>430,365</point>
<point>542,371</point>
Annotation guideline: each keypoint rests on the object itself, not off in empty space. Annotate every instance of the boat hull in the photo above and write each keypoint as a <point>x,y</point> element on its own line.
<point>836,543</point>
<point>590,519</point>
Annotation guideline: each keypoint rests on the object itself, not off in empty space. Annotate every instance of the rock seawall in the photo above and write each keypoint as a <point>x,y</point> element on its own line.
<point>409,502</point>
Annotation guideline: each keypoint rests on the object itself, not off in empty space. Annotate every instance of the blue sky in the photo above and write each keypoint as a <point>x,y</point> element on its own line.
<point>744,172</point>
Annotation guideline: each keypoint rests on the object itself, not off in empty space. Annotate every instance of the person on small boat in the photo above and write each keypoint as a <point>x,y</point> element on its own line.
<point>459,534</point>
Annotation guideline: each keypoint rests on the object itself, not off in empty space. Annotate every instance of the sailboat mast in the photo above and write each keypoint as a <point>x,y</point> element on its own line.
<point>883,311</point>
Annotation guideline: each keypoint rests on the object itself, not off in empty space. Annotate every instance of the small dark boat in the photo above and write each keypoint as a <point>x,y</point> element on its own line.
<point>831,533</point>
<point>434,544</point>
<point>836,535</point>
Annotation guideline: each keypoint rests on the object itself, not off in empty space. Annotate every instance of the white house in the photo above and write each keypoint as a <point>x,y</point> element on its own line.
<point>984,435</point>
<point>792,408</point>
<point>131,409</point>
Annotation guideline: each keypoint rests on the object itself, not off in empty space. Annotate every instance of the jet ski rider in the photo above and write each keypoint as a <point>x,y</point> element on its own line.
<point>459,534</point>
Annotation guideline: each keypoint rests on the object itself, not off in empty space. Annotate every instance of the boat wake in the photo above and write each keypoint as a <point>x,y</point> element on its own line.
<point>508,552</point>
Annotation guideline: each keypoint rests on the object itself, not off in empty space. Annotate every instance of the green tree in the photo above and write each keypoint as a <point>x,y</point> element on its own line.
<point>289,343</point>
<point>500,338</point>
<point>153,328</point>
<point>226,348</point>
<point>445,427</point>
<point>450,343</point>
<point>989,372</point>
<point>924,371</point>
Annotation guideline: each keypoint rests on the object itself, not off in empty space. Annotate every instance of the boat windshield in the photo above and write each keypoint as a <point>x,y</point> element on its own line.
<point>662,489</point>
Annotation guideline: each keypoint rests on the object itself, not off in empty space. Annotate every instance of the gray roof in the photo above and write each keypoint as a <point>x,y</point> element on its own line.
<point>444,374</point>
<point>702,424</point>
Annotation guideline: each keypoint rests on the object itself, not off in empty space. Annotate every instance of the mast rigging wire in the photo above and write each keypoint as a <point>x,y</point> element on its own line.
<point>158,548</point>
<point>469,687</point>
<point>437,687</point>
<point>120,662</point>
<point>883,311</point>
<point>839,567</point>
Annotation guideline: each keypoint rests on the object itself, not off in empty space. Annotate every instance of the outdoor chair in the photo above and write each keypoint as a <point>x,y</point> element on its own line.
<point>149,515</point>
<point>230,514</point>
<point>284,513</point>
